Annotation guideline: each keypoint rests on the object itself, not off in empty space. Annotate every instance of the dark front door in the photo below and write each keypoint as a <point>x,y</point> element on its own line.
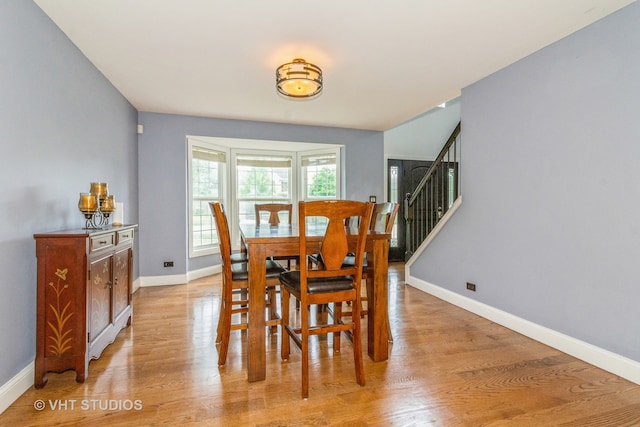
<point>403,177</point>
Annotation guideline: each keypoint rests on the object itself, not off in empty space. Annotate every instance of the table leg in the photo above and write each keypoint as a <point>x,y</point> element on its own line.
<point>377,294</point>
<point>256,364</point>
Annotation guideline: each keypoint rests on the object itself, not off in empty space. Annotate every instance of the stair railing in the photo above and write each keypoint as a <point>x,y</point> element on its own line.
<point>434,195</point>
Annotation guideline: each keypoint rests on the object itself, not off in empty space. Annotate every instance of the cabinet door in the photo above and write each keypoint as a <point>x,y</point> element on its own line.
<point>121,291</point>
<point>99,297</point>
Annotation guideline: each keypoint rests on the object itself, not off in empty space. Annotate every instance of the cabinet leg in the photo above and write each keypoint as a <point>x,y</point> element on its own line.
<point>40,381</point>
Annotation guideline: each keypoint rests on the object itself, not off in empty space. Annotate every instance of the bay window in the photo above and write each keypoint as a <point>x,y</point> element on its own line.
<point>238,174</point>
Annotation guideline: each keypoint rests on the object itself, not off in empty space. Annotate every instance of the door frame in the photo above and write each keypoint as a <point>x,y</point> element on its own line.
<point>397,253</point>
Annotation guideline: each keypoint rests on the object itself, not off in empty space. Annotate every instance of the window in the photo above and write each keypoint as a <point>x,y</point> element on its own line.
<point>320,175</point>
<point>394,196</point>
<point>320,179</point>
<point>261,177</point>
<point>240,173</point>
<point>206,184</point>
<point>451,186</point>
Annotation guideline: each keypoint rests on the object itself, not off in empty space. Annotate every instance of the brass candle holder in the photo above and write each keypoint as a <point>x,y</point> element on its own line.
<point>97,206</point>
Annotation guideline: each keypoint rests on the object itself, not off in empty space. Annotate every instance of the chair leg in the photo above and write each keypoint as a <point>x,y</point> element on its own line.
<point>284,338</point>
<point>221,320</point>
<point>337,318</point>
<point>221,317</point>
<point>273,309</point>
<point>357,344</point>
<point>305,352</point>
<point>226,328</point>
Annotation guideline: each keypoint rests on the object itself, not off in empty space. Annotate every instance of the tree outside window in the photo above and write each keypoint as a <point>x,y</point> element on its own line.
<point>323,183</point>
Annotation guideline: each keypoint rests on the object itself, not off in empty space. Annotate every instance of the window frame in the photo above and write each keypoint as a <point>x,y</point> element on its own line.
<point>213,248</point>
<point>235,200</point>
<point>336,151</point>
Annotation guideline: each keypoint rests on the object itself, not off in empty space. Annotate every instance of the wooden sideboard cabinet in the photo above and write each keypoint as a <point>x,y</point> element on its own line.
<point>83,296</point>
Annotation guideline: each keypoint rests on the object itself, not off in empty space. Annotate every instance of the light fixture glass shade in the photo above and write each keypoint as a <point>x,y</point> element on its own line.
<point>299,79</point>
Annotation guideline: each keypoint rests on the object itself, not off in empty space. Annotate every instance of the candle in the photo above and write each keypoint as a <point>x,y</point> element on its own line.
<point>87,202</point>
<point>118,214</point>
<point>99,189</point>
<point>108,204</point>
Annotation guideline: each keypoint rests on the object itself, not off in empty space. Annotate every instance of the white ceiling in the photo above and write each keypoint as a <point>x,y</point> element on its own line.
<point>383,62</point>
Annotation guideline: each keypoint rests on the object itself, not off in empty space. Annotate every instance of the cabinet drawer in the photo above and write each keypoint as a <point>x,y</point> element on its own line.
<point>101,242</point>
<point>124,236</point>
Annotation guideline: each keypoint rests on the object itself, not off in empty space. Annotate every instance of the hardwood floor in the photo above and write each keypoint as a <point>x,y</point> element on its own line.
<point>447,367</point>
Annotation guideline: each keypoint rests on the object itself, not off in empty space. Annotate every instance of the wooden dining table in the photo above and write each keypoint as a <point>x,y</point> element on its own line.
<point>264,241</point>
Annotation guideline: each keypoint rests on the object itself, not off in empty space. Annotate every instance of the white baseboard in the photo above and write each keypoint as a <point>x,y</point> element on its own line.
<point>16,386</point>
<point>135,285</point>
<point>204,272</point>
<point>176,279</point>
<point>604,359</point>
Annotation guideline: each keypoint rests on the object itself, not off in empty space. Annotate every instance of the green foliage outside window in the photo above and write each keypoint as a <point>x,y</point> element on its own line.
<point>323,183</point>
<point>256,182</point>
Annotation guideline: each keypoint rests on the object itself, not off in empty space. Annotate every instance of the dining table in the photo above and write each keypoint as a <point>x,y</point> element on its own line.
<point>264,241</point>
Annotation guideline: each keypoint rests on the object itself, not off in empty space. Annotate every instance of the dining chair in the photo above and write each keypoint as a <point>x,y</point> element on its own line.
<point>235,280</point>
<point>329,283</point>
<point>274,210</point>
<point>382,220</point>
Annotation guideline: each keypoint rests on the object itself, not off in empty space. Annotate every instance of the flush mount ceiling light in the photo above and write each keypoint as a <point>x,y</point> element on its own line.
<point>299,79</point>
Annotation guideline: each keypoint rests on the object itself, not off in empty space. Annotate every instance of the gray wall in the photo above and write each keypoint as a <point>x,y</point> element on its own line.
<point>549,228</point>
<point>422,137</point>
<point>163,177</point>
<point>62,125</point>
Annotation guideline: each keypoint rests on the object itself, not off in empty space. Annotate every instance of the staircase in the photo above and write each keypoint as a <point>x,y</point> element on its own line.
<point>434,196</point>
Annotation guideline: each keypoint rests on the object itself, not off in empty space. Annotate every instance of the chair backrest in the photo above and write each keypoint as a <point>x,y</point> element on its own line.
<point>222,228</point>
<point>383,217</point>
<point>335,245</point>
<point>274,210</point>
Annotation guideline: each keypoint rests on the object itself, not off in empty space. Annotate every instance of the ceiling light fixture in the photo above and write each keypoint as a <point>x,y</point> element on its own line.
<point>299,79</point>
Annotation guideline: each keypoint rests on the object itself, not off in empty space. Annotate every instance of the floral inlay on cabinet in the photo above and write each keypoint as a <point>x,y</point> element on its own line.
<point>61,338</point>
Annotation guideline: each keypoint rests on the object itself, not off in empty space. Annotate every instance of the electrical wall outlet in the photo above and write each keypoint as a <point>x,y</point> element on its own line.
<point>471,286</point>
<point>168,263</point>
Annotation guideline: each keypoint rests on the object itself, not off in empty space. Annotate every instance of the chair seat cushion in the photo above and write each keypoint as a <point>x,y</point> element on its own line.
<point>315,258</point>
<point>291,280</point>
<point>238,257</point>
<point>350,260</point>
<point>240,270</point>
<point>285,257</point>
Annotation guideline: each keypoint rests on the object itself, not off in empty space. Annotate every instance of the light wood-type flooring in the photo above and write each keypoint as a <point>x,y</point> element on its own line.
<point>447,367</point>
